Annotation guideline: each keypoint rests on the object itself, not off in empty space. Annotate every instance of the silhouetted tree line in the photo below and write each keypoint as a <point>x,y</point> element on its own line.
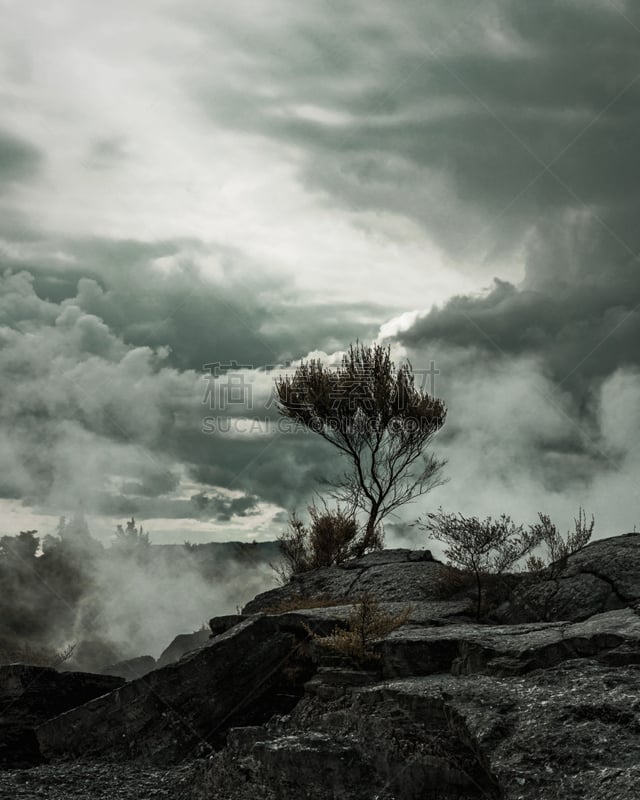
<point>42,582</point>
<point>52,588</point>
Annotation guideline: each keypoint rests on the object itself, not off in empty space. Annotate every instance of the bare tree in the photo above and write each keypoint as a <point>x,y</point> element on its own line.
<point>372,412</point>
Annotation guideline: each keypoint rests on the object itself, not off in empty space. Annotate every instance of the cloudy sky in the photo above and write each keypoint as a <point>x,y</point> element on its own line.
<point>190,183</point>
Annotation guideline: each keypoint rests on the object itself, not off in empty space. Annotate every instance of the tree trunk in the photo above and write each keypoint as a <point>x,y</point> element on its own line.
<point>479,596</point>
<point>369,535</point>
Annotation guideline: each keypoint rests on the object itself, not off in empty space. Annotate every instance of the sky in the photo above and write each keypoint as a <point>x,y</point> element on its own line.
<point>185,184</point>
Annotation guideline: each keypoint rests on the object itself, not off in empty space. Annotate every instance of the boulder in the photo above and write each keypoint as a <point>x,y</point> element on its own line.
<point>182,644</point>
<point>603,576</point>
<point>185,708</point>
<point>29,695</point>
<point>224,623</point>
<point>395,575</point>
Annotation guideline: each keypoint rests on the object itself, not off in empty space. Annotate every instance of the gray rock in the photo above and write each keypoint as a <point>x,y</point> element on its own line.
<point>357,747</point>
<point>179,709</point>
<point>421,613</point>
<point>603,576</point>
<point>130,669</point>
<point>222,624</point>
<point>182,644</point>
<point>394,575</point>
<point>566,733</point>
<point>489,711</point>
<point>509,649</point>
<point>29,695</point>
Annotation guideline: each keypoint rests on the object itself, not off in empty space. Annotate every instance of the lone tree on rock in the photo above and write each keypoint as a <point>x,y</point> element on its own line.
<point>372,412</point>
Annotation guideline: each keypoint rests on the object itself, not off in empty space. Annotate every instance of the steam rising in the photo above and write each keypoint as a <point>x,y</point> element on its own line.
<point>123,601</point>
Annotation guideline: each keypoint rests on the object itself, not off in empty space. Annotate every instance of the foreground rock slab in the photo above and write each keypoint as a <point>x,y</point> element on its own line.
<point>567,733</point>
<point>613,638</point>
<point>30,695</point>
<point>183,708</point>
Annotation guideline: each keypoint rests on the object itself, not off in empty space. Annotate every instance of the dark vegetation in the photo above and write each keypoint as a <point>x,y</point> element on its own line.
<point>367,621</point>
<point>58,591</point>
<point>486,552</point>
<point>329,538</point>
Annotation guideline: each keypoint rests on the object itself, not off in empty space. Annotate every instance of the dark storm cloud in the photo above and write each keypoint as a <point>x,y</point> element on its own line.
<point>580,332</point>
<point>211,507</point>
<point>19,160</point>
<point>508,130</point>
<point>451,116</point>
<point>533,139</point>
<point>154,483</point>
<point>285,469</point>
<point>83,404</point>
<point>223,508</point>
<point>242,315</point>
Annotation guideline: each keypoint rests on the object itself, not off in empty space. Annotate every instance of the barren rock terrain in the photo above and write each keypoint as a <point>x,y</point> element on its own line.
<point>512,707</point>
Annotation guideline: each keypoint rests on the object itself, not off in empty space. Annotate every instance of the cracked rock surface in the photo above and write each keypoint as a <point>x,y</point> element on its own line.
<point>562,721</point>
<point>605,575</point>
<point>95,781</point>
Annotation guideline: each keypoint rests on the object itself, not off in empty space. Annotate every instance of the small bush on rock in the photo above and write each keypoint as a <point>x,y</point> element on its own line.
<point>329,539</point>
<point>481,547</point>
<point>559,548</point>
<point>367,621</point>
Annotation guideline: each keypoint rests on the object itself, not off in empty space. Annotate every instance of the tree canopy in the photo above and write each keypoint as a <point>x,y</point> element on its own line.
<point>380,422</point>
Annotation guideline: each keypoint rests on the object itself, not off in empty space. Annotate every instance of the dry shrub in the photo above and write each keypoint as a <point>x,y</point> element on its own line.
<point>559,548</point>
<point>327,540</point>
<point>367,621</point>
<point>331,535</point>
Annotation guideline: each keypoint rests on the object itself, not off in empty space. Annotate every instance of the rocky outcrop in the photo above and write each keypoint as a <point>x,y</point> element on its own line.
<point>448,708</point>
<point>130,669</point>
<point>185,708</point>
<point>603,576</point>
<point>570,732</point>
<point>488,713</point>
<point>222,624</point>
<point>29,695</point>
<point>182,644</point>
<point>395,575</point>
<point>510,649</point>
